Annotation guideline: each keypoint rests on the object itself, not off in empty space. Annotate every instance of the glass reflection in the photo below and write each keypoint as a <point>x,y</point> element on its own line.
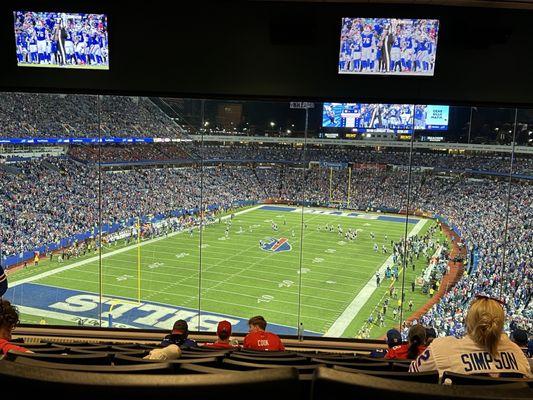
<point>213,210</point>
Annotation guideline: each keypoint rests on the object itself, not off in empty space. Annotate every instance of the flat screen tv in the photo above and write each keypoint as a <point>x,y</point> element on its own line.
<point>431,117</point>
<point>388,46</point>
<point>61,40</point>
<point>364,117</point>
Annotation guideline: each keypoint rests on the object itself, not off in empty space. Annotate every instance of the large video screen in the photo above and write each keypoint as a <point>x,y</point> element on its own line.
<point>359,117</point>
<point>431,117</point>
<point>388,46</point>
<point>57,39</point>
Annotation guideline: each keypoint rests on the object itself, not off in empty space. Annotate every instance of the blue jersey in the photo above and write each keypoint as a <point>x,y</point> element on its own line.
<point>408,43</point>
<point>79,35</point>
<point>429,46</point>
<point>40,33</point>
<point>50,23</point>
<point>419,114</point>
<point>69,37</point>
<point>22,39</point>
<point>397,42</point>
<point>345,47</point>
<point>367,39</point>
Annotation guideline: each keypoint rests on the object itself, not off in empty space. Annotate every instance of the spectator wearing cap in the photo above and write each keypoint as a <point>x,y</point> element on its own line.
<point>9,318</point>
<point>178,336</point>
<point>394,338</point>
<point>223,333</point>
<point>259,339</point>
<point>411,350</point>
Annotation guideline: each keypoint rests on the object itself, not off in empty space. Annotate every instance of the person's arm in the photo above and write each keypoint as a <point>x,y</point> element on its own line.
<point>9,346</point>
<point>424,362</point>
<point>390,354</point>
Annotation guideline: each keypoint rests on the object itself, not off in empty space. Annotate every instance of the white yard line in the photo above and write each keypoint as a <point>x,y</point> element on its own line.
<point>110,254</point>
<point>348,315</point>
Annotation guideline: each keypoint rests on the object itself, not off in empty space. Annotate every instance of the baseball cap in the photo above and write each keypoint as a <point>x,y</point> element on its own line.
<point>394,337</point>
<point>224,328</point>
<point>519,336</point>
<point>180,327</point>
<point>3,281</point>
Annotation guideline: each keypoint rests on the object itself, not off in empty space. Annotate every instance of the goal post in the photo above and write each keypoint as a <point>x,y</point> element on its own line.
<point>342,174</point>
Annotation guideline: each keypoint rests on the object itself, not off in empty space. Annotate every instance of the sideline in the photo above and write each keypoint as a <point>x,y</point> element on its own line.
<point>110,254</point>
<point>349,314</point>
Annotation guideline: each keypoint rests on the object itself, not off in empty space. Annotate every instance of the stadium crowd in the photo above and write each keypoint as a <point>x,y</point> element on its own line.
<point>67,115</point>
<point>53,198</point>
<point>330,154</point>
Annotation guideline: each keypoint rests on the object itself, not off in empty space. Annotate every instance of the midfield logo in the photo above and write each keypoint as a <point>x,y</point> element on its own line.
<point>276,245</point>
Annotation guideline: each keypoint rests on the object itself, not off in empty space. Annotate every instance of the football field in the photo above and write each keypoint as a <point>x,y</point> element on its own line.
<point>300,272</point>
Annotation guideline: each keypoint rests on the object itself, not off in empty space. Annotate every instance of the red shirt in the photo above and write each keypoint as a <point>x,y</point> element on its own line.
<point>219,345</point>
<point>400,352</point>
<point>262,340</point>
<point>5,346</point>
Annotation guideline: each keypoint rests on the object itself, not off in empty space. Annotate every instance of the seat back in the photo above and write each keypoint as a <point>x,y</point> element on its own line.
<point>329,383</point>
<point>269,360</point>
<point>87,359</point>
<point>264,384</point>
<point>427,377</point>
<point>462,379</point>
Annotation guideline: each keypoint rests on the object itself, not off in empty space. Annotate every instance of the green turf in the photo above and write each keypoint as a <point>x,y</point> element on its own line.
<point>235,276</point>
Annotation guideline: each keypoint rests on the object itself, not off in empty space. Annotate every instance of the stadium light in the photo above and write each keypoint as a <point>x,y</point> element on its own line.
<point>289,131</point>
<point>272,124</point>
<point>206,123</point>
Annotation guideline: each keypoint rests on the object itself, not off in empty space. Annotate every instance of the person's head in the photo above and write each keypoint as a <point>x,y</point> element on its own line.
<point>417,338</point>
<point>519,336</point>
<point>180,328</point>
<point>394,338</point>
<point>9,318</point>
<point>257,323</point>
<point>484,323</point>
<point>430,335</point>
<point>224,330</point>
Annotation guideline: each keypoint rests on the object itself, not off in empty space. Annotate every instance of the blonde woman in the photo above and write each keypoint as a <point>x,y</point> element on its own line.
<point>484,350</point>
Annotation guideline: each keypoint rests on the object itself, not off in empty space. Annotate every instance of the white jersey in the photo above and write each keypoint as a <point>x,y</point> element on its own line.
<point>464,356</point>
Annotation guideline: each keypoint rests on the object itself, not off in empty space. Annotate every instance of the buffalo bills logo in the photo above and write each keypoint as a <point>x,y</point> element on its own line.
<point>275,245</point>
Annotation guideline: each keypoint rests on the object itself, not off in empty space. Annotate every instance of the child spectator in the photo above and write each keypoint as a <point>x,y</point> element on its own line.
<point>223,333</point>
<point>178,336</point>
<point>9,318</point>
<point>259,339</point>
<point>411,350</point>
